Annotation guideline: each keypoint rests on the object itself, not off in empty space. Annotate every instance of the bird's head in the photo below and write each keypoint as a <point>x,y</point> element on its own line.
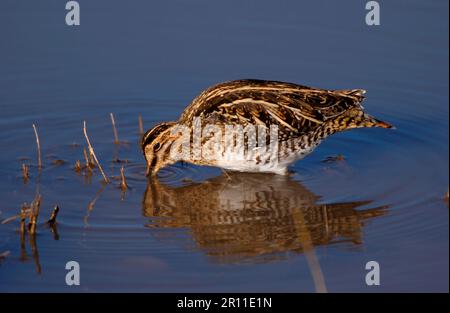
<point>155,144</point>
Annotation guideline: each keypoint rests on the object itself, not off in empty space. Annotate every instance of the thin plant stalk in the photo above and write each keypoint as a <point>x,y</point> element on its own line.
<point>26,173</point>
<point>88,164</point>
<point>91,151</point>
<point>38,147</point>
<point>53,216</point>
<point>34,214</point>
<point>123,183</point>
<point>113,121</point>
<point>77,167</point>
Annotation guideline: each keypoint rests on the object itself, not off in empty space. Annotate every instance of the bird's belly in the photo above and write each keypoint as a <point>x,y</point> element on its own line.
<point>252,166</point>
<point>277,162</point>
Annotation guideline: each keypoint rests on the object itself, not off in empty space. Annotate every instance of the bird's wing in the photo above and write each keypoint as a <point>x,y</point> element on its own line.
<point>292,107</point>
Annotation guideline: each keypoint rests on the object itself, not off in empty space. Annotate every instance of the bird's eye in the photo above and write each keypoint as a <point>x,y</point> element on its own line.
<point>157,146</point>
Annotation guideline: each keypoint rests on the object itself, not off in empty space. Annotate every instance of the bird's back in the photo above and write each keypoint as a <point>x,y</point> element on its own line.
<point>293,108</point>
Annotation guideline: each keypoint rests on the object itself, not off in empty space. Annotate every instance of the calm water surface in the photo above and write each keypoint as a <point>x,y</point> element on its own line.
<point>194,229</point>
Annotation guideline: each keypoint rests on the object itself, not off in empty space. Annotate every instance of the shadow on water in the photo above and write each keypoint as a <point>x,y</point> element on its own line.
<point>241,217</point>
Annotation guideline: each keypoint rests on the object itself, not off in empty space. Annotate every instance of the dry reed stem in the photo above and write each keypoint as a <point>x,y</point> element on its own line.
<point>23,214</point>
<point>86,159</point>
<point>77,167</point>
<point>141,125</point>
<point>25,173</point>
<point>123,183</point>
<point>91,151</point>
<point>54,215</point>
<point>38,147</point>
<point>113,121</point>
<point>34,214</point>
<point>9,219</point>
<point>91,161</point>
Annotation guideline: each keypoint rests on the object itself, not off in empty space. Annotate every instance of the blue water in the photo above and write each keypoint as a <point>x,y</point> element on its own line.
<point>153,58</point>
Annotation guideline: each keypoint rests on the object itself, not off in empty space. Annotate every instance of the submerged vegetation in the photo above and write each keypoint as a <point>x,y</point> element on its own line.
<point>28,214</point>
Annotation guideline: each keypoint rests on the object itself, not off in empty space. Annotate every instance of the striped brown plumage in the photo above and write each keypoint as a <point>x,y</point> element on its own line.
<point>304,116</point>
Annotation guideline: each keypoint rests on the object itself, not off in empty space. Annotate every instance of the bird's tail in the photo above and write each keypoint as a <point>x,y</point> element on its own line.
<point>352,92</point>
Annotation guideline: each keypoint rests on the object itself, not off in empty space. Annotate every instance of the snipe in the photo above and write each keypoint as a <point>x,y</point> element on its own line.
<point>254,126</point>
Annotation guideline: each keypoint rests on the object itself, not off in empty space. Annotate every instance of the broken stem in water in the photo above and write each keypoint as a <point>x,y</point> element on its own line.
<point>26,173</point>
<point>123,183</point>
<point>88,163</point>
<point>34,214</point>
<point>77,167</point>
<point>113,121</point>
<point>38,147</point>
<point>53,216</point>
<point>91,151</point>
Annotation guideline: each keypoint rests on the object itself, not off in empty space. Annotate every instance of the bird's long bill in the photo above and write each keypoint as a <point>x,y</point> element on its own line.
<point>382,124</point>
<point>373,122</point>
<point>151,170</point>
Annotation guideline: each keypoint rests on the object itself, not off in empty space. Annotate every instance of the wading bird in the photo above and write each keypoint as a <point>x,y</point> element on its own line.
<point>291,120</point>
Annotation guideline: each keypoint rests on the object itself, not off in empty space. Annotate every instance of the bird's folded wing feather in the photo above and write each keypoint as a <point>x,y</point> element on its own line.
<point>290,106</point>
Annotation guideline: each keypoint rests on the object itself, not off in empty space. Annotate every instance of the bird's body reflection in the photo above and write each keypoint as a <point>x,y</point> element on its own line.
<point>253,216</point>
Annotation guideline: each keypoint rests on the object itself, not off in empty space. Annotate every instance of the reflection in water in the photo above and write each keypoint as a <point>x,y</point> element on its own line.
<point>254,217</point>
